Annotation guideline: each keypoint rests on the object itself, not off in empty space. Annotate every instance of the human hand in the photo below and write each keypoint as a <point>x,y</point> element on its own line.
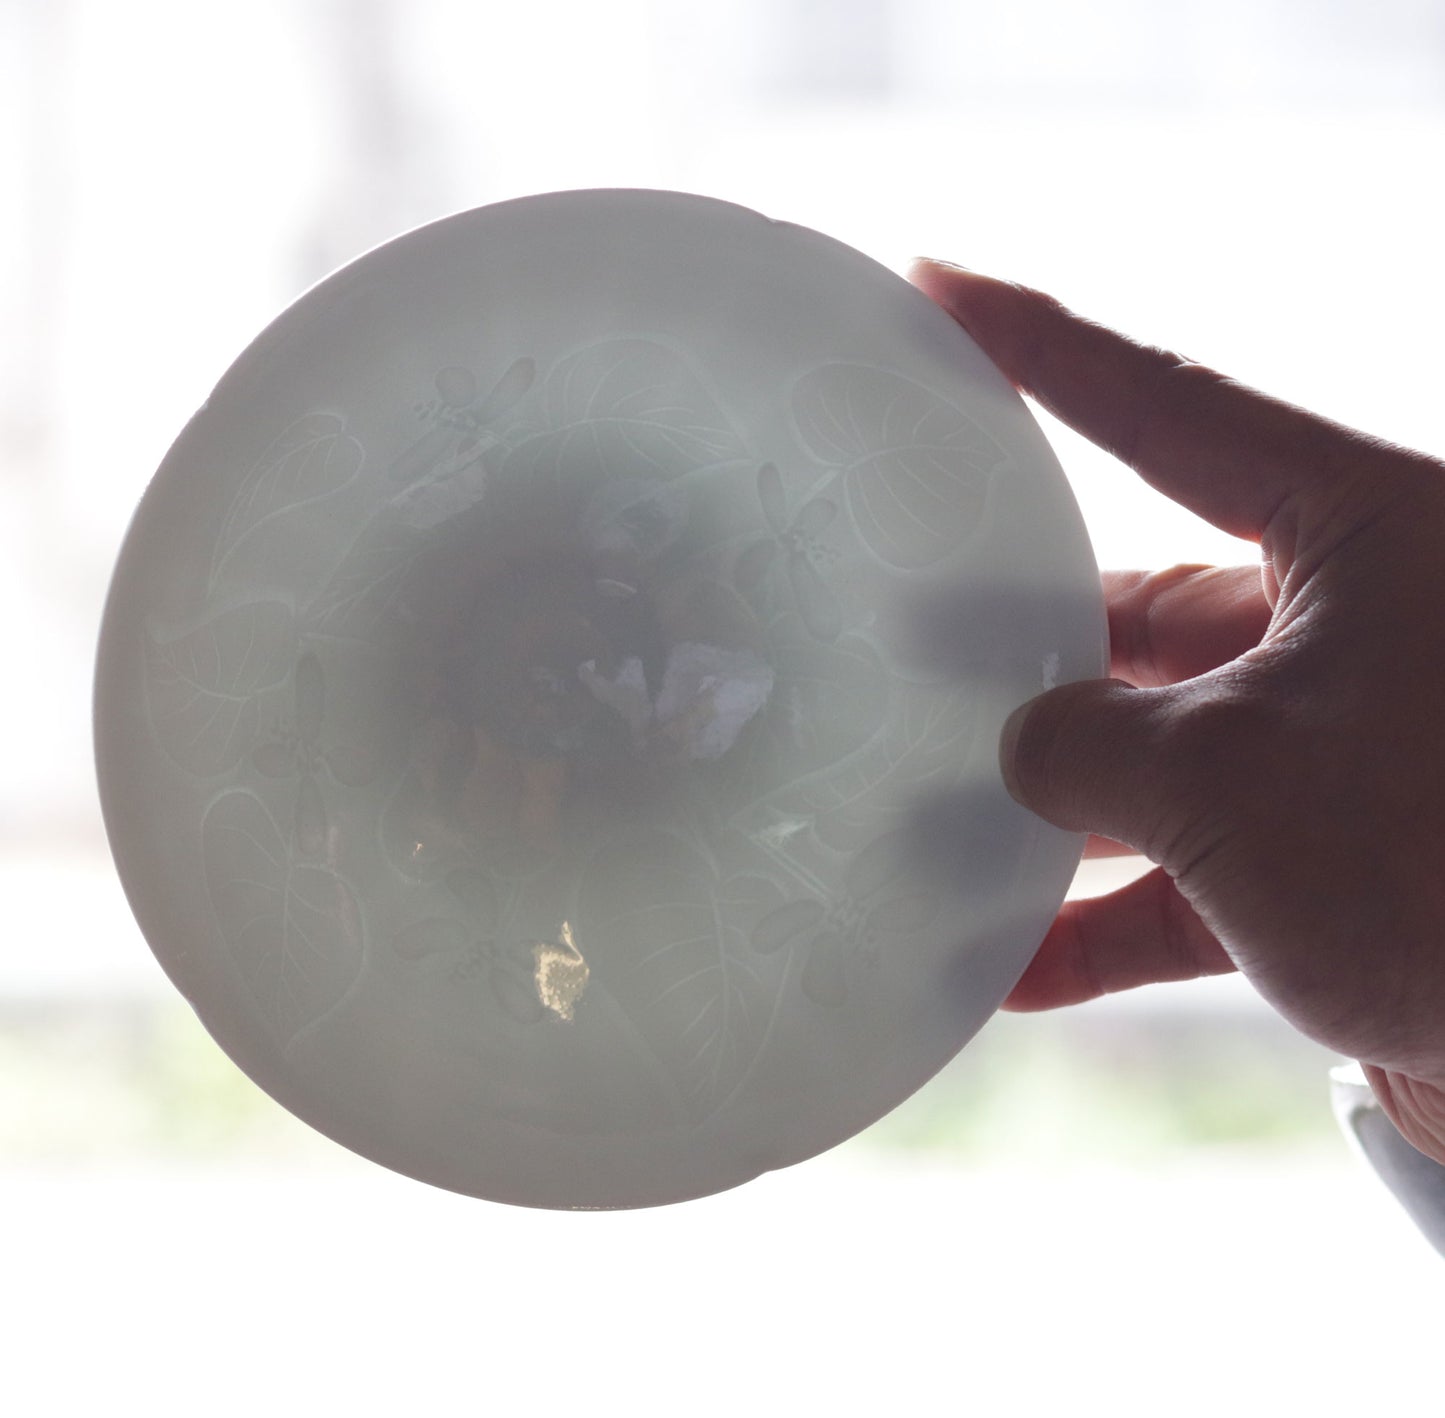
<point>1275,737</point>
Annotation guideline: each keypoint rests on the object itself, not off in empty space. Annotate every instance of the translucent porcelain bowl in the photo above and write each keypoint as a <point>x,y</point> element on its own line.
<point>548,700</point>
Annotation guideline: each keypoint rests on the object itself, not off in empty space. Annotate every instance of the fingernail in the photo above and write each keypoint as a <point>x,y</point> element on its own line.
<point>920,265</point>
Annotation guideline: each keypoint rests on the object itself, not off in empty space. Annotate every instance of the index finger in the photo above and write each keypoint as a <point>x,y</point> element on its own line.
<point>1226,452</point>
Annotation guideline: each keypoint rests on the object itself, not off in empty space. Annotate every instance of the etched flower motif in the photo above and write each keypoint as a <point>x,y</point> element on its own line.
<point>797,540</point>
<point>460,417</point>
<point>447,469</point>
<point>530,980</point>
<point>878,905</point>
<point>295,929</point>
<point>504,966</point>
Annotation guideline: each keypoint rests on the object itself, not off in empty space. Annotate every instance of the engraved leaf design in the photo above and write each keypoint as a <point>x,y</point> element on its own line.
<point>876,866</point>
<point>293,928</point>
<point>628,407</point>
<point>922,749</point>
<point>310,459</point>
<point>672,945</point>
<point>370,581</point>
<point>828,701</point>
<point>202,685</point>
<point>836,699</point>
<point>786,924</point>
<point>916,468</point>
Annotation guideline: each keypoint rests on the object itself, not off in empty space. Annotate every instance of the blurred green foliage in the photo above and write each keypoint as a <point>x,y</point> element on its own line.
<point>1101,1081</point>
<point>99,1083</point>
<point>106,1082</point>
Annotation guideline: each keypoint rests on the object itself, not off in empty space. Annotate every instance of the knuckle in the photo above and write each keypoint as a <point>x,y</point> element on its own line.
<point>1180,934</point>
<point>1219,752</point>
<point>1046,302</point>
<point>1223,724</point>
<point>1140,619</point>
<point>1184,382</point>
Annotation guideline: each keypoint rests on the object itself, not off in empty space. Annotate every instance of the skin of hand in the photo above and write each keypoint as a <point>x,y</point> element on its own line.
<point>1274,736</point>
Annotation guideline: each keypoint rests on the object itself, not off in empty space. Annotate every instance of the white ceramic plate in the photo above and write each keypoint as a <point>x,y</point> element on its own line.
<point>548,700</point>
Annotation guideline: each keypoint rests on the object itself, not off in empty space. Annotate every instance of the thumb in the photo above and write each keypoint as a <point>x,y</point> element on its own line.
<point>1089,757</point>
